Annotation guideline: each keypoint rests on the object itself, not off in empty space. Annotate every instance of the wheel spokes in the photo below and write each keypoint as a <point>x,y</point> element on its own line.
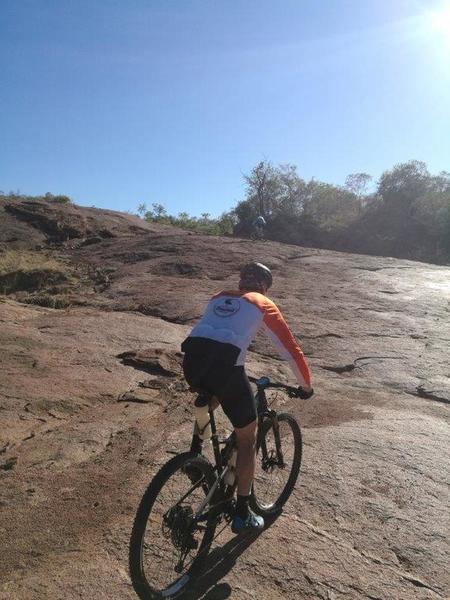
<point>172,537</point>
<point>273,467</point>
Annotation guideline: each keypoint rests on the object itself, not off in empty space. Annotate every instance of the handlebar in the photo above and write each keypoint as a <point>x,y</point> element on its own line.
<point>293,392</point>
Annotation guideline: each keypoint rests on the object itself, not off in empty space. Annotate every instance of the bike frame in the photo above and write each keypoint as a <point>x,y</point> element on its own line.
<point>221,457</point>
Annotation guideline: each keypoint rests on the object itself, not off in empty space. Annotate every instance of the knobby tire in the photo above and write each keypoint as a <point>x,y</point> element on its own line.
<point>287,422</point>
<point>144,578</point>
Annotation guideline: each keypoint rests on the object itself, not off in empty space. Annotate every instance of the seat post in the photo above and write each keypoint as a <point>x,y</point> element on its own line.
<point>214,438</point>
<point>196,444</point>
<point>212,420</point>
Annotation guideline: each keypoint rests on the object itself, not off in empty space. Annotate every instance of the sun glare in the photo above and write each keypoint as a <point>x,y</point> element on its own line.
<point>440,20</point>
<point>435,27</point>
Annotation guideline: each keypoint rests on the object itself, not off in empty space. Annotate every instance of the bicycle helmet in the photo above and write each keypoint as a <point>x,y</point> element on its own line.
<point>255,274</point>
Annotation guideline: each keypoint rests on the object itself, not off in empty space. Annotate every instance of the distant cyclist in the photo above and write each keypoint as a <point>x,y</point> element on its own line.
<point>214,362</point>
<point>259,225</point>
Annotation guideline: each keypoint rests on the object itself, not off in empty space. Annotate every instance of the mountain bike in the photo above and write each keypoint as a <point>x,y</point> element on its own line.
<point>178,515</point>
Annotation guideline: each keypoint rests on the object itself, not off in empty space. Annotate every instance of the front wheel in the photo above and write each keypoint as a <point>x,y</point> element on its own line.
<point>168,536</point>
<point>278,459</point>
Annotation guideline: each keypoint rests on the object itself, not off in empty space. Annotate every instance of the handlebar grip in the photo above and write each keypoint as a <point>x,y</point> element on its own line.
<point>303,394</point>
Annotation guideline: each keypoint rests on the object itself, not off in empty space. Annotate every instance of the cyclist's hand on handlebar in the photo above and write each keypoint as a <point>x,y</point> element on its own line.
<point>305,393</point>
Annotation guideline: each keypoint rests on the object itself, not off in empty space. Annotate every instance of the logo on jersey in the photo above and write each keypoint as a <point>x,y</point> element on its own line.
<point>227,307</point>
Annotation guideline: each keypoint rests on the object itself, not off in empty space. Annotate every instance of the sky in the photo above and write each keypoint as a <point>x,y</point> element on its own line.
<point>118,103</point>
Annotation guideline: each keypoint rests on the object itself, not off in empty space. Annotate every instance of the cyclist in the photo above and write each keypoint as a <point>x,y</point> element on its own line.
<point>214,362</point>
<point>258,226</point>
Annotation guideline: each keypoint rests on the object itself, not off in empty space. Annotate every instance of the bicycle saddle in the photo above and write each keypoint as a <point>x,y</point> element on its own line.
<point>203,397</point>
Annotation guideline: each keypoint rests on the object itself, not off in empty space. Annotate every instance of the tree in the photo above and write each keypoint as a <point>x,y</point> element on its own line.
<point>292,190</point>
<point>358,183</point>
<point>159,210</point>
<point>408,216</point>
<point>270,191</point>
<point>431,212</point>
<point>330,206</point>
<point>404,184</point>
<point>262,188</point>
<point>142,209</point>
<point>226,223</point>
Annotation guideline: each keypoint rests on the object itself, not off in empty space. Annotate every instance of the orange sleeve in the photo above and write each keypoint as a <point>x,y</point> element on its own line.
<point>281,336</point>
<point>278,331</point>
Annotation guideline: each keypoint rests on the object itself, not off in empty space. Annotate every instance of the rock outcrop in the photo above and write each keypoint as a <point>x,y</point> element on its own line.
<point>92,402</point>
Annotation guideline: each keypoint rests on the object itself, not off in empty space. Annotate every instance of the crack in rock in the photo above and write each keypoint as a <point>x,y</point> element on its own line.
<point>154,311</point>
<point>154,361</point>
<point>384,335</point>
<point>340,369</point>
<point>299,256</point>
<point>351,366</point>
<point>418,583</point>
<point>421,392</point>
<point>132,397</point>
<point>379,310</point>
<point>321,335</point>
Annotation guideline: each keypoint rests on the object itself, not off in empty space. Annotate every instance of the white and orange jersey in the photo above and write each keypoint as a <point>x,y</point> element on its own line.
<point>235,317</point>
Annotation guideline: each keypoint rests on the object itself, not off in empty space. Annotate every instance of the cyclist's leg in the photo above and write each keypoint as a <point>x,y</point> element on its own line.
<point>238,403</point>
<point>244,518</point>
<point>245,463</point>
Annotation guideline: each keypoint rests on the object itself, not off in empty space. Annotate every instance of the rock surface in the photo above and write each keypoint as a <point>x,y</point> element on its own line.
<point>92,402</point>
<point>27,223</point>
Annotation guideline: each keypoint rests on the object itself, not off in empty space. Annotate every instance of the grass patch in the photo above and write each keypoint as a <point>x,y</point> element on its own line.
<point>18,260</point>
<point>29,271</point>
<point>48,301</point>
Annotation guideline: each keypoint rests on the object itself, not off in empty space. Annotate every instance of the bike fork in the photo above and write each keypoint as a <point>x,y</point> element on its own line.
<point>276,432</point>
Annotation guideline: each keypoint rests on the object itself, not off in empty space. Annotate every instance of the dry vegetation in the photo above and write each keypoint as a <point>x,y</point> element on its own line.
<point>17,260</point>
<point>29,271</point>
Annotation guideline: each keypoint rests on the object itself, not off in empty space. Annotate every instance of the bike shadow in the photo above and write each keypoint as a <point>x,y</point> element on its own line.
<point>219,563</point>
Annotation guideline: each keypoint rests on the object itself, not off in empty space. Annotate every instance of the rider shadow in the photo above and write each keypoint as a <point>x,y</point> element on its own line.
<point>219,563</point>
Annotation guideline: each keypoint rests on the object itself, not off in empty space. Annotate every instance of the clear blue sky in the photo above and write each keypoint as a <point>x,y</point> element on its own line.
<point>118,102</point>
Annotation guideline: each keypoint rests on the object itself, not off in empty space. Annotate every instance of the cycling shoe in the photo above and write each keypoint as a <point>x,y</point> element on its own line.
<point>252,522</point>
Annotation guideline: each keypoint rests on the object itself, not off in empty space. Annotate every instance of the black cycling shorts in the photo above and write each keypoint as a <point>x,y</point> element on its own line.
<point>230,385</point>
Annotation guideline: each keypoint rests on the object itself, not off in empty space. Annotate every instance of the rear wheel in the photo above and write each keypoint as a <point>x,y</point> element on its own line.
<point>167,540</point>
<point>278,459</point>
